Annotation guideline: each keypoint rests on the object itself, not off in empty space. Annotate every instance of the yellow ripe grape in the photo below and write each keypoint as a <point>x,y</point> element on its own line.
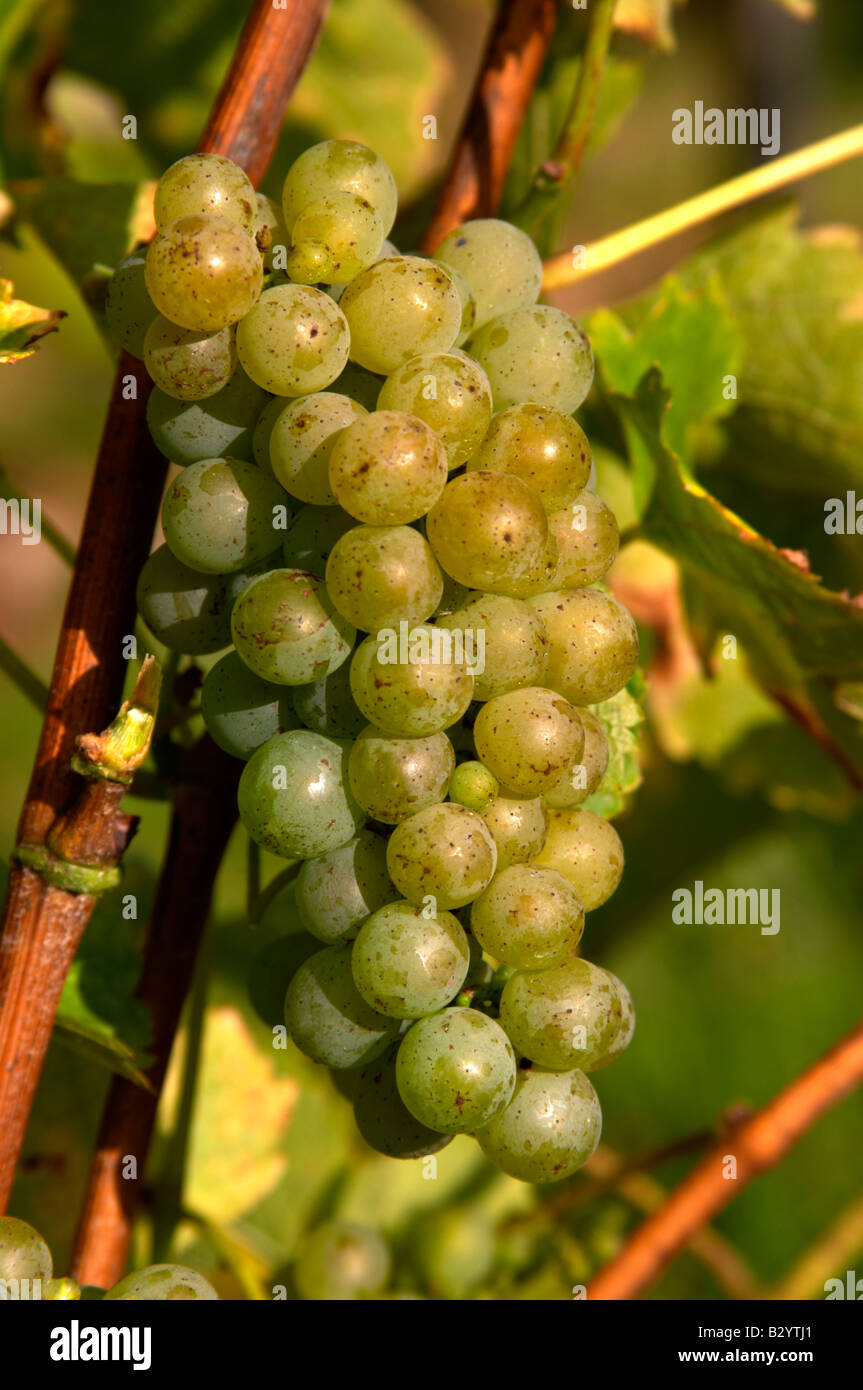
<point>186,365</point>
<point>379,576</point>
<point>203,272</point>
<point>582,781</point>
<point>587,850</point>
<point>500,263</point>
<point>545,448</point>
<point>399,307</point>
<point>294,341</point>
<point>528,738</point>
<point>587,538</point>
<point>205,185</point>
<point>302,438</point>
<point>340,166</point>
<point>539,579</point>
<point>488,530</point>
<point>538,354</point>
<point>334,239</point>
<point>411,683</point>
<point>518,828</point>
<point>445,855</point>
<point>450,392</point>
<point>388,468</point>
<point>512,637</point>
<point>528,918</point>
<point>592,643</point>
<point>391,778</point>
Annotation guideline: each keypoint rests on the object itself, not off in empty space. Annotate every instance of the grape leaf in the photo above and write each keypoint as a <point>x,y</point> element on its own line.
<point>666,331</point>
<point>22,325</point>
<point>88,225</point>
<point>802,640</point>
<point>620,717</point>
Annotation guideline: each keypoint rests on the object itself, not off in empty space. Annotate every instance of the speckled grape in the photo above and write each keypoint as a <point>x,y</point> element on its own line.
<point>240,710</point>
<point>487,529</point>
<point>206,184</point>
<point>302,437</point>
<point>549,1129</point>
<point>580,782</point>
<point>129,310</point>
<point>382,1117</point>
<point>528,737</point>
<point>379,576</point>
<point>588,539</point>
<point>340,166</point>
<point>518,828</point>
<point>204,273</point>
<point>500,263</point>
<point>286,629</point>
<point>455,1070</point>
<point>293,796</point>
<point>450,392</point>
<point>545,448</point>
<point>587,850</point>
<point>311,536</point>
<point>400,307</point>
<point>188,365</point>
<point>327,705</point>
<point>294,341</point>
<point>538,355</point>
<point>387,468</point>
<point>569,1016</point>
<point>592,643</point>
<point>333,239</point>
<point>529,918</point>
<point>427,691</point>
<point>445,853</point>
<point>514,642</point>
<point>337,891</point>
<point>408,963</point>
<point>392,778</point>
<point>218,515</point>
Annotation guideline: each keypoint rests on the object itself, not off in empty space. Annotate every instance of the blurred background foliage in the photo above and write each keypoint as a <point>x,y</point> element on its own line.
<point>752,756</point>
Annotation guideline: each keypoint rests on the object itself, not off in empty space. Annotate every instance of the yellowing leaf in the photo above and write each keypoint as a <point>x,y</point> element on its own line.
<point>22,325</point>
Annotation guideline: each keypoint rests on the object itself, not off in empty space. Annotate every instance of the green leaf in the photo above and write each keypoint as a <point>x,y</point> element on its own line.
<point>620,717</point>
<point>98,1014</point>
<point>22,325</point>
<point>664,332</point>
<point>85,225</point>
<point>796,299</point>
<point>801,639</point>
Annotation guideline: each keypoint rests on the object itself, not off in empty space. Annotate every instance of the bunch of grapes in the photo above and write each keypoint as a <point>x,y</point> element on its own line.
<point>385,513</point>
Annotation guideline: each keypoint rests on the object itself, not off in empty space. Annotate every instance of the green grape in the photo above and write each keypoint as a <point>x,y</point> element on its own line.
<point>545,448</point>
<point>408,964</point>
<point>294,340</point>
<point>565,1017</point>
<point>626,1029</point>
<point>455,1069</point>
<point>312,535</point>
<point>186,610</point>
<point>337,891</point>
<point>529,918</point>
<point>23,1252</point>
<point>379,576</point>
<point>162,1284</point>
<point>218,515</point>
<point>362,386</point>
<point>293,796</point>
<point>240,710</point>
<point>513,642</point>
<point>454,1250</point>
<point>549,1129</point>
<point>587,538</point>
<point>333,239</point>
<point>500,263</point>
<point>587,850</point>
<point>272,409</point>
<point>61,1291</point>
<point>328,707</point>
<point>204,273</point>
<point>473,786</point>
<point>468,305</point>
<point>271,234</point>
<point>187,431</point>
<point>414,687</point>
<point>328,1018</point>
<point>206,185</point>
<point>528,738</point>
<point>301,440</point>
<point>187,365</point>
<point>391,778</point>
<point>341,1262</point>
<point>580,782</point>
<point>340,166</point>
<point>387,468</point>
<point>382,1117</point>
<point>518,828</point>
<point>592,643</point>
<point>398,308</point>
<point>129,310</point>
<point>450,393</point>
<point>487,529</point>
<point>286,629</point>
<point>538,355</point>
<point>539,579</point>
<point>239,581</point>
<point>444,853</point>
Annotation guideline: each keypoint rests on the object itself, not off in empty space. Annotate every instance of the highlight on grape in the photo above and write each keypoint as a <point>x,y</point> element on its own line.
<point>436,646</point>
